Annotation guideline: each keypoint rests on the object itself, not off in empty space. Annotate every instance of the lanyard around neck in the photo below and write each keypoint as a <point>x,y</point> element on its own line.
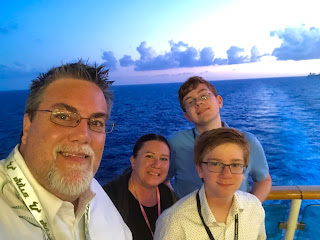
<point>31,200</point>
<point>142,209</point>
<point>207,228</point>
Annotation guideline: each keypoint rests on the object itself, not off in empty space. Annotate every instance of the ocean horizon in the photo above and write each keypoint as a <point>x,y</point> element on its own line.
<point>283,113</point>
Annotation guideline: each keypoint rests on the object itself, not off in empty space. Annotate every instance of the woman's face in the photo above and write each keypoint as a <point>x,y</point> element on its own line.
<point>151,165</point>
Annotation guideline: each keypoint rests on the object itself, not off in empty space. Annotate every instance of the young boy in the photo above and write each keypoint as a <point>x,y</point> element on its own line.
<point>201,105</point>
<point>217,210</point>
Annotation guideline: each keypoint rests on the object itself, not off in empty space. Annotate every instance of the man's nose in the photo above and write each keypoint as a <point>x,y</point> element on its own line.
<point>81,133</point>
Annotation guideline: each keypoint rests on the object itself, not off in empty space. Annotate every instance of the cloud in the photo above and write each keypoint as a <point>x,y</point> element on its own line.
<point>255,54</point>
<point>126,61</point>
<point>220,61</point>
<point>235,57</point>
<point>206,56</point>
<point>4,30</point>
<point>180,55</point>
<point>17,76</point>
<point>185,55</point>
<point>150,61</point>
<point>297,43</point>
<point>110,60</point>
<point>146,53</point>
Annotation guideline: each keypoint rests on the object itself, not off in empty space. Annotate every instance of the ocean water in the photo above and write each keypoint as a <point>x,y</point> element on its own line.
<point>284,114</point>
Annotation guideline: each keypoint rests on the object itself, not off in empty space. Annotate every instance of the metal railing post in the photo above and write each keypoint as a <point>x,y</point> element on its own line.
<point>293,218</point>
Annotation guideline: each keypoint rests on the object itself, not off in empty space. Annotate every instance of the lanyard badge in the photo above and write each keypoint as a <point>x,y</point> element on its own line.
<point>31,200</point>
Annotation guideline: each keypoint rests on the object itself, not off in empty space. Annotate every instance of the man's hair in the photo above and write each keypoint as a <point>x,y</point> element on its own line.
<point>79,70</point>
<point>209,140</point>
<point>191,84</point>
<point>146,138</point>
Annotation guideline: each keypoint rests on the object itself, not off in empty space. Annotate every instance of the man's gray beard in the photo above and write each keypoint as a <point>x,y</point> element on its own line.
<point>61,183</point>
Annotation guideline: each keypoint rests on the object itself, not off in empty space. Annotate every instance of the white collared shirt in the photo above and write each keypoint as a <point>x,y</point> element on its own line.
<point>182,221</point>
<point>16,222</point>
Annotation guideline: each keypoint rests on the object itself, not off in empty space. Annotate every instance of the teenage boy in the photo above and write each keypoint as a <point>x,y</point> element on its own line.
<point>201,104</point>
<point>217,210</point>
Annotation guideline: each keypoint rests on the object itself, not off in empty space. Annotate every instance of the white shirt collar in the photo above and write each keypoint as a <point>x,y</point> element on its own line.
<point>208,216</point>
<point>50,203</point>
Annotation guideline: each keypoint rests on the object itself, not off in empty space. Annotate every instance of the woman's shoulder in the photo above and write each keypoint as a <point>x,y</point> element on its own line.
<point>118,185</point>
<point>167,196</point>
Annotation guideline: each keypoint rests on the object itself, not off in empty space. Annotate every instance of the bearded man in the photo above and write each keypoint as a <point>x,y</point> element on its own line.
<point>47,189</point>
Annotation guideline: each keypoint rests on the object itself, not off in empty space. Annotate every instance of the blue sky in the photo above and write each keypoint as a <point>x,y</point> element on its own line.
<point>160,41</point>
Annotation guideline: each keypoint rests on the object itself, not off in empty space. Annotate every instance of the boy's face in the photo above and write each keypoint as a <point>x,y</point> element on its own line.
<point>203,110</point>
<point>225,183</point>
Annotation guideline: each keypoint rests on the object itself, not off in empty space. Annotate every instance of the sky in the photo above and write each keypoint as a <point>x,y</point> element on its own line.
<point>151,41</point>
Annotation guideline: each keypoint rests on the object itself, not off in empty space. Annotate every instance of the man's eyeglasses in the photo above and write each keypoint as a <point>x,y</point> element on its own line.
<point>217,167</point>
<point>191,102</point>
<point>66,118</point>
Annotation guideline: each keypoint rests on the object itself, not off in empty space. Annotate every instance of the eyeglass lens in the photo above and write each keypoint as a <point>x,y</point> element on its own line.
<point>218,167</point>
<point>71,119</point>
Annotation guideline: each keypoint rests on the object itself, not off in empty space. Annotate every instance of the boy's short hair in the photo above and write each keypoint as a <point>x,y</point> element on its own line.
<point>209,140</point>
<point>191,84</point>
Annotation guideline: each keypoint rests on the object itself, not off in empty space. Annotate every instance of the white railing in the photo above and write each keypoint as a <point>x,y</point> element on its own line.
<point>296,194</point>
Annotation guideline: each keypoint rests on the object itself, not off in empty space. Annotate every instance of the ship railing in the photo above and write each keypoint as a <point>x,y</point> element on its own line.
<point>296,194</point>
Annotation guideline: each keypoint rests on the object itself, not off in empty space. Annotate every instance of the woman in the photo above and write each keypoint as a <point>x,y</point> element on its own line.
<point>139,193</point>
<point>217,210</point>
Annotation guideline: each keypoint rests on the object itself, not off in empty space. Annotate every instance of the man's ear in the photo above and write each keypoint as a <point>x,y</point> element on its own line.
<point>26,127</point>
<point>186,115</point>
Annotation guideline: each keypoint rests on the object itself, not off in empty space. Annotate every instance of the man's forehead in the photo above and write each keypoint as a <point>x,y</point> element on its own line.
<point>75,110</point>
<point>76,93</point>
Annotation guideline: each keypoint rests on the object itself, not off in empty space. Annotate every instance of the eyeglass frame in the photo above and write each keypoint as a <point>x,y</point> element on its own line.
<point>244,167</point>
<point>201,98</point>
<point>79,121</point>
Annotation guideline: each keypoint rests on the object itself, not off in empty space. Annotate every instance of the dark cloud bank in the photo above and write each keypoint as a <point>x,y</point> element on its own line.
<point>297,44</point>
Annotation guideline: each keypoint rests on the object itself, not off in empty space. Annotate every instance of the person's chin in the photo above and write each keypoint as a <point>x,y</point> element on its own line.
<point>71,184</point>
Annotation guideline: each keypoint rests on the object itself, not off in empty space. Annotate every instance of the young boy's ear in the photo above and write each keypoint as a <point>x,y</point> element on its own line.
<point>199,170</point>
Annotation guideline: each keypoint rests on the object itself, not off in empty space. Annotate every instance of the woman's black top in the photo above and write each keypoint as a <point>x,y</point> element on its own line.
<point>129,207</point>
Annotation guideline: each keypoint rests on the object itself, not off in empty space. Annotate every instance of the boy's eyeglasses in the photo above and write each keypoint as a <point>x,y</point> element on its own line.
<point>217,167</point>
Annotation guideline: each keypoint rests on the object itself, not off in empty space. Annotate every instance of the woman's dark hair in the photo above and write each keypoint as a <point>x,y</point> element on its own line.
<point>146,138</point>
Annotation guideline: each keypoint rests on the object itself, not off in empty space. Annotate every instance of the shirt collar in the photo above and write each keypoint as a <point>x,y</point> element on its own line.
<point>196,133</point>
<point>236,207</point>
<point>205,209</point>
<point>50,203</point>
